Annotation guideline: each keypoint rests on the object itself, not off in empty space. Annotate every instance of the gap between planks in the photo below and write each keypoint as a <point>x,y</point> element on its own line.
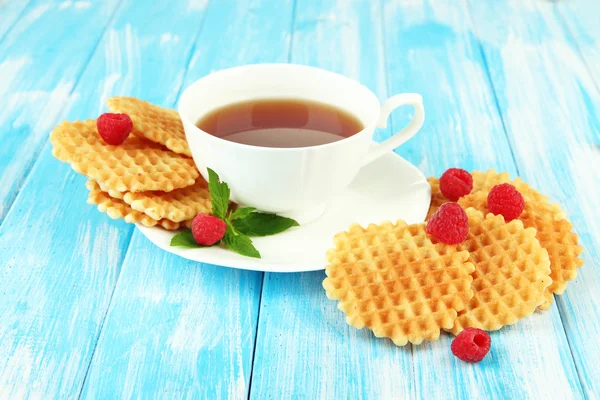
<point>179,90</point>
<point>12,25</point>
<point>262,278</point>
<point>37,152</point>
<point>516,164</point>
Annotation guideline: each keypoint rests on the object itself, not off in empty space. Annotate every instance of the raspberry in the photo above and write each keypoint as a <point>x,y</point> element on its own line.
<point>207,229</point>
<point>471,345</point>
<point>506,200</point>
<point>455,183</point>
<point>114,128</point>
<point>449,224</point>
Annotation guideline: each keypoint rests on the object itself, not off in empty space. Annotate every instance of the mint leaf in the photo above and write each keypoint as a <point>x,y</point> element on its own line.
<point>262,224</point>
<point>240,243</point>
<point>241,213</point>
<point>184,239</point>
<point>219,194</point>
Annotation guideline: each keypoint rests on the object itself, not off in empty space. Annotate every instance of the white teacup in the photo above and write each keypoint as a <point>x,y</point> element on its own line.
<point>296,182</point>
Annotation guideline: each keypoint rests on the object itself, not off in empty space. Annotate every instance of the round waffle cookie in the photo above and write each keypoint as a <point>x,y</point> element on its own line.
<point>158,124</point>
<point>136,165</point>
<point>117,209</point>
<point>178,205</point>
<point>511,272</point>
<point>394,280</point>
<point>554,232</point>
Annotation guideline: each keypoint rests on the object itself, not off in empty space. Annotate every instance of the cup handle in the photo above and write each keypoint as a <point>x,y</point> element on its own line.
<point>412,99</point>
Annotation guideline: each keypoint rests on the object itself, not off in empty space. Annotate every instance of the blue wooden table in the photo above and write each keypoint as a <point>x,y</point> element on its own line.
<point>89,308</point>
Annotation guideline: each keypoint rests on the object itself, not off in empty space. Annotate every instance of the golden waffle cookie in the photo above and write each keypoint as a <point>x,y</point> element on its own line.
<point>112,193</point>
<point>554,233</point>
<point>178,205</point>
<point>117,209</point>
<point>395,281</point>
<point>160,125</point>
<point>511,272</point>
<point>137,165</point>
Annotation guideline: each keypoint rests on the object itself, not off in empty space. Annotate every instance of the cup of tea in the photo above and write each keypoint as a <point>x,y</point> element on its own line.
<point>287,138</point>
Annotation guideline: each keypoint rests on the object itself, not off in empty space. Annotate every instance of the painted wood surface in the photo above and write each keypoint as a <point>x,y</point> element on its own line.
<point>10,12</point>
<point>177,328</point>
<point>551,107</point>
<point>304,348</point>
<point>467,131</point>
<point>581,20</point>
<point>59,259</point>
<point>423,39</point>
<point>89,308</point>
<point>36,83</point>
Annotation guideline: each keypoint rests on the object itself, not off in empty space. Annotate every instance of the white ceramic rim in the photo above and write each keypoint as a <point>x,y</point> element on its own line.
<point>369,125</point>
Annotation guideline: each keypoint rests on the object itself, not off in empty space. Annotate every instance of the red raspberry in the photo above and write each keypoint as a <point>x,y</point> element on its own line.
<point>207,229</point>
<point>471,345</point>
<point>456,183</point>
<point>449,224</point>
<point>114,128</point>
<point>506,200</point>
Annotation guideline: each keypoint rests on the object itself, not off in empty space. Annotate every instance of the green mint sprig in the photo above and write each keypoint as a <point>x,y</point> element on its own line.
<point>241,223</point>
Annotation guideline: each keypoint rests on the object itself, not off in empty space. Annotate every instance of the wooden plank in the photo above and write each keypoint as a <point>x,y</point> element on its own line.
<point>177,328</point>
<point>57,284</point>
<point>430,49</point>
<point>581,18</point>
<point>10,11</point>
<point>438,55</point>
<point>58,266</point>
<point>550,107</point>
<point>36,83</point>
<point>304,347</point>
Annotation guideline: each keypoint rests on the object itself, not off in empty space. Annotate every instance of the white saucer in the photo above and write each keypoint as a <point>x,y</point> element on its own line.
<point>389,188</point>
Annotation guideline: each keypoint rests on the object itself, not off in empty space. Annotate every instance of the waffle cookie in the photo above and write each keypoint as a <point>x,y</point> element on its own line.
<point>137,165</point>
<point>178,205</point>
<point>117,209</point>
<point>155,123</point>
<point>554,232</point>
<point>112,193</point>
<point>511,272</point>
<point>398,283</point>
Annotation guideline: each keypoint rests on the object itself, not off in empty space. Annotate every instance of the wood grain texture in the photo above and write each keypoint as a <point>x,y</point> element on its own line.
<point>179,329</point>
<point>304,347</point>
<point>59,260</point>
<point>581,19</point>
<point>36,84</point>
<point>429,48</point>
<point>89,308</point>
<point>10,11</point>
<point>444,61</point>
<point>176,329</point>
<point>550,107</point>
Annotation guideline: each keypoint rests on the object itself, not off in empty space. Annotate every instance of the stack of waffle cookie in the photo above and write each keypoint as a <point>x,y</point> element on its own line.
<point>149,179</point>
<point>403,284</point>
